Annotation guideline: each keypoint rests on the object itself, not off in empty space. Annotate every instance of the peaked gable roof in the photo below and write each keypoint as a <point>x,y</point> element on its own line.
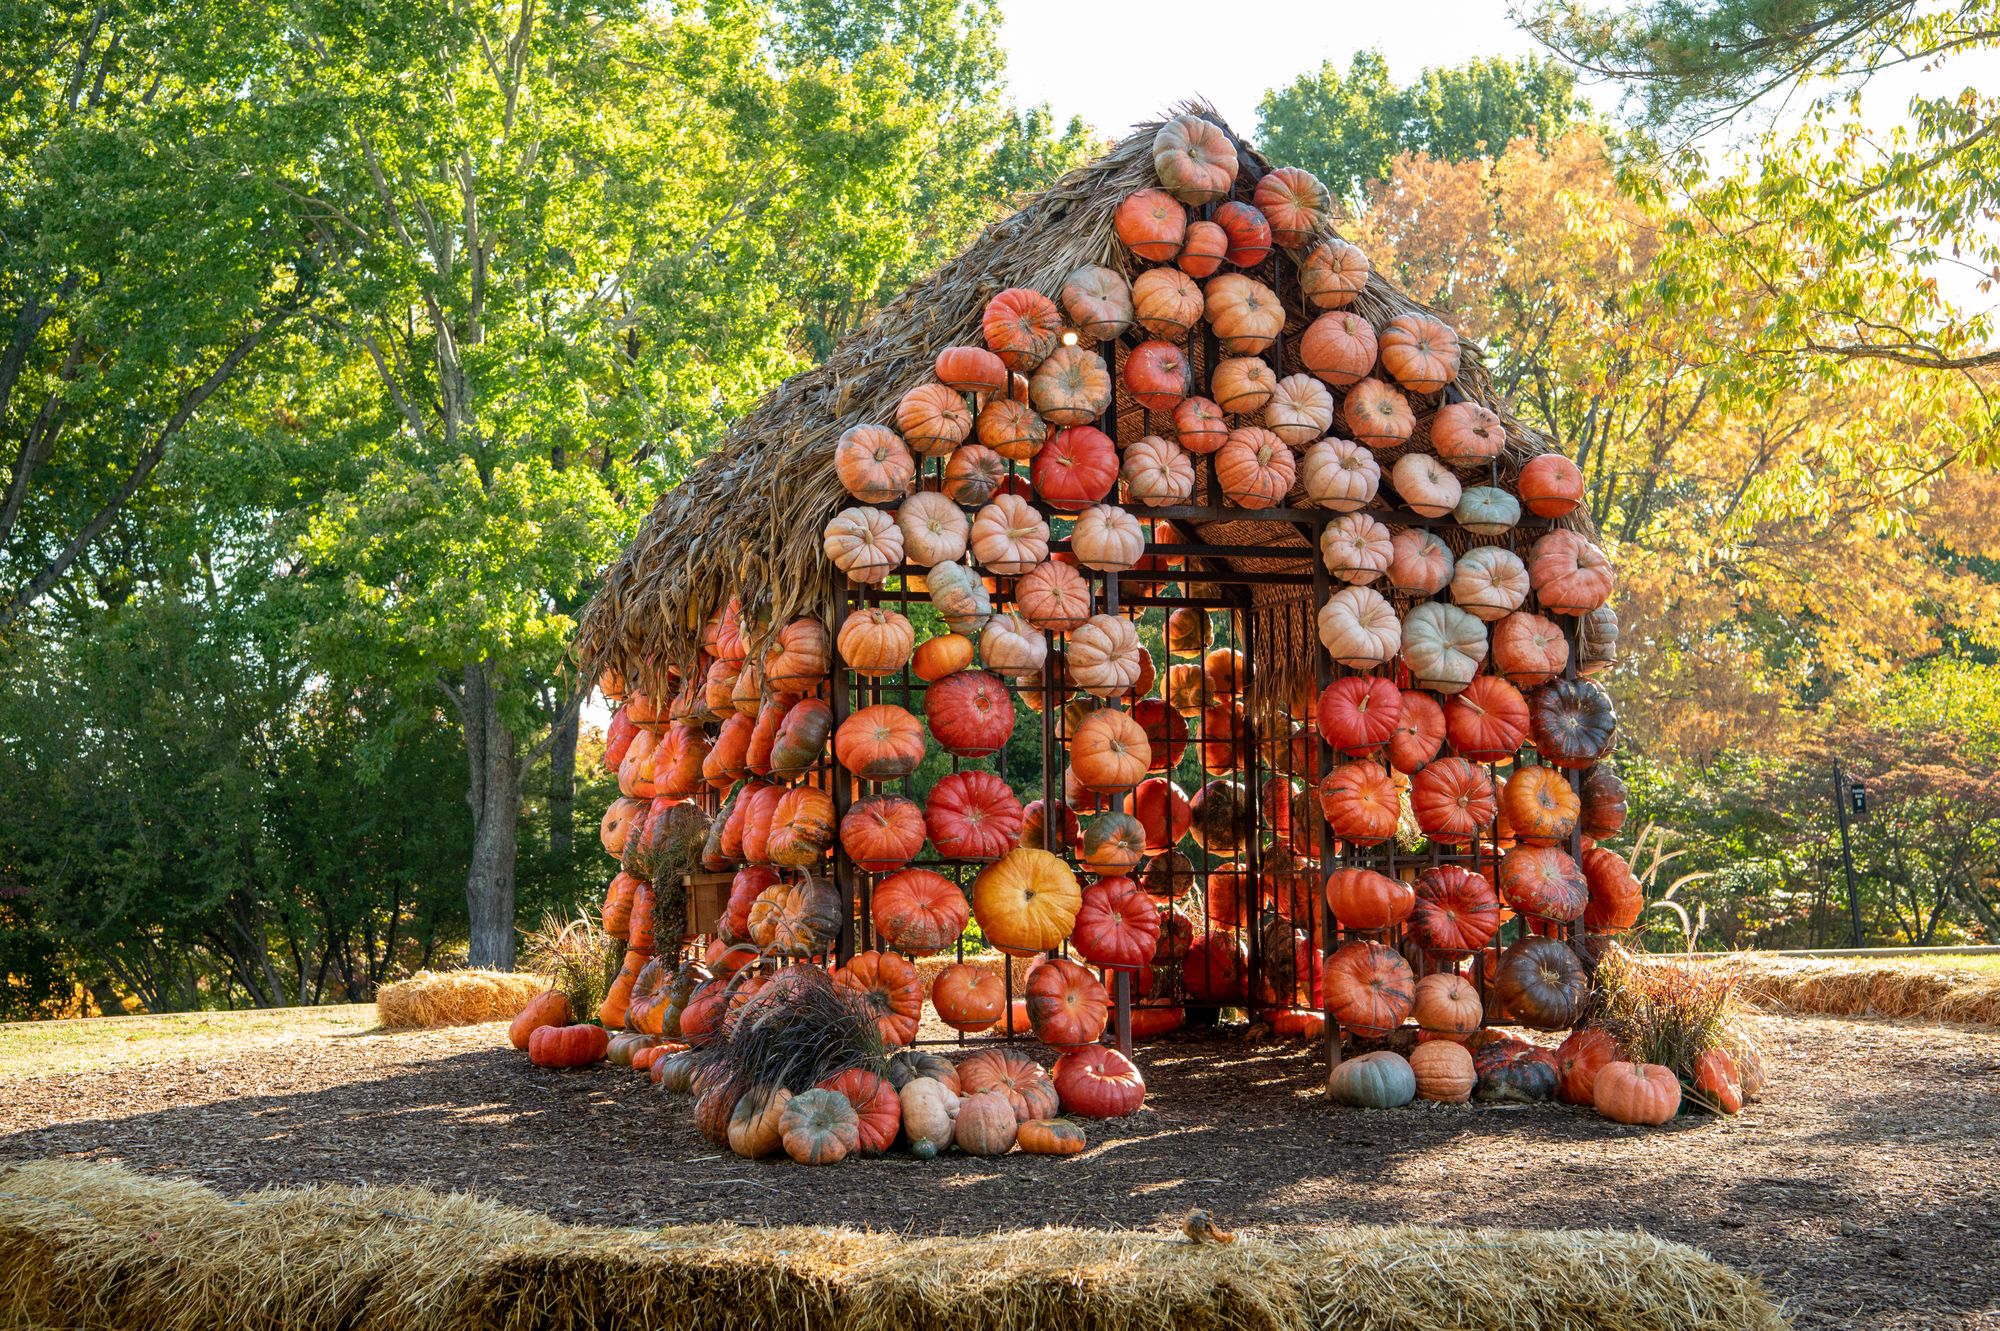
<point>748,519</point>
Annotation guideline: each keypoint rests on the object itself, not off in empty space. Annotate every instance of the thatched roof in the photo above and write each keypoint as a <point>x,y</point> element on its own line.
<point>748,520</point>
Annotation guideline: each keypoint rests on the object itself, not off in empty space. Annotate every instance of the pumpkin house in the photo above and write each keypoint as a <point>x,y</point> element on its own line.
<point>1158,588</point>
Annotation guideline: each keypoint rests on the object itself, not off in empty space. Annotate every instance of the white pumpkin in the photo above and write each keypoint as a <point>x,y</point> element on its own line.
<point>930,1115</point>
<point>864,543</point>
<point>1300,410</point>
<point>1356,548</point>
<point>1340,474</point>
<point>1107,538</point>
<point>1009,645</point>
<point>1443,646</point>
<point>1490,581</point>
<point>1103,656</point>
<point>1419,562</point>
<point>934,529</point>
<point>1359,628</point>
<point>1426,484</point>
<point>1157,471</point>
<point>1009,537</point>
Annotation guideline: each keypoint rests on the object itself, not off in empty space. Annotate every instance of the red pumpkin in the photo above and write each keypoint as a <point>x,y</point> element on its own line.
<point>1118,926</point>
<point>1545,882</point>
<point>1603,799</point>
<point>1295,202</point>
<point>1163,812</point>
<point>973,816</point>
<point>877,1108</point>
<point>1366,900</point>
<point>1066,1005</point>
<point>1579,1059</point>
<point>1456,912</point>
<point>1419,733</point>
<point>1453,801</point>
<point>1715,1078</point>
<point>1369,988</point>
<point>882,832</point>
<point>1616,898</point>
<point>1076,468</point>
<point>1487,720</point>
<point>567,1046</point>
<point>1098,1082</point>
<point>919,912</point>
<point>1166,733</point>
<point>1249,233</point>
<point>1358,714</point>
<point>1216,970</point>
<point>1157,375</point>
<point>970,713</point>
<point>1203,250</point>
<point>880,743</point>
<point>1199,425</point>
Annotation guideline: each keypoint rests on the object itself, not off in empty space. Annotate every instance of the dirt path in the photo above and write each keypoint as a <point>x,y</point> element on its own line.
<point>1861,1192</point>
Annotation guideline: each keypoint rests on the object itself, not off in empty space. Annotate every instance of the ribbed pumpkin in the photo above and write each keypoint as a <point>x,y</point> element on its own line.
<point>889,985</point>
<point>1022,327</point>
<point>1453,801</point>
<point>1157,375</point>
<point>973,816</point>
<point>882,832</point>
<point>1444,1072</point>
<point>933,418</point>
<point>1487,720</point>
<point>1421,351</point>
<point>1543,881</point>
<point>1369,988</point>
<point>1203,250</point>
<point>1456,911</point>
<point>1541,807</point>
<point>970,713</point>
<point>1366,900</point>
<point>1357,715</point>
<point>1166,303</point>
<point>874,464</point>
<point>1541,984</point>
<point>1117,926</point>
<point>1243,385</point>
<point>1578,1061</point>
<point>1338,348</point>
<point>1361,802</point>
<point>1616,897</point>
<point>1067,1006</point>
<point>968,998</point>
<point>1447,1005</point>
<point>1076,468</point>
<point>802,827</point>
<point>1098,301</point>
<point>875,641</point>
<point>1152,224</point>
<point>1254,468</point>
<point>1378,1080</point>
<point>1110,751</point>
<point>918,911</point>
<point>1157,471</point>
<point>1072,387</point>
<point>1053,596</point>
<point>1113,843</point>
<point>1098,1082</point>
<point>1199,426</point>
<point>1247,316</point>
<point>1333,275</point>
<point>879,743</point>
<point>1378,414</point>
<point>1026,902</point>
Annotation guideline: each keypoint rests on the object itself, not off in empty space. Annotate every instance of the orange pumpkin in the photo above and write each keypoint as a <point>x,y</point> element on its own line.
<point>1338,348</point>
<point>874,465</point>
<point>802,826</point>
<point>971,370</point>
<point>800,656</point>
<point>1026,901</point>
<point>1199,426</point>
<point>882,832</point>
<point>1364,899</point>
<point>1295,202</point>
<point>1360,802</point>
<point>1022,1084</point>
<point>1255,468</point>
<point>1421,351</point>
<point>1022,327</point>
<point>1242,386</point>
<point>1166,303</point>
<point>1072,387</point>
<point>1203,249</point>
<point>933,419</point>
<point>1011,428</point>
<point>795,919</point>
<point>1541,807</point>
<point>1551,486</point>
<point>1194,159</point>
<point>1110,752</point>
<point>968,998</point>
<point>1444,1072</point>
<point>1715,1078</point>
<point>1456,910</point>
<point>880,743</point>
<point>1053,596</point>
<point>1448,1005</point>
<point>1616,898</point>
<point>940,656</point>
<point>919,912</point>
<point>1247,316</point>
<point>1378,414</point>
<point>550,1008</point>
<point>1248,230</point>
<point>1466,434</point>
<point>1098,300</point>
<point>895,995</point>
<point>875,641</point>
<point>1453,801</point>
<point>1333,275</point>
<point>1580,1057</point>
<point>1369,988</point>
<point>1157,375</point>
<point>1638,1093</point>
<point>1152,224</point>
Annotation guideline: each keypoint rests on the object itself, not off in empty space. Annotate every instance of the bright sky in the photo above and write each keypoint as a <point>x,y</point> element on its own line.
<point>1114,63</point>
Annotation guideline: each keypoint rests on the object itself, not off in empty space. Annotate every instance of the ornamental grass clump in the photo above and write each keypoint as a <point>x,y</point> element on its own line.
<point>797,1031</point>
<point>1668,1012</point>
<point>578,957</point>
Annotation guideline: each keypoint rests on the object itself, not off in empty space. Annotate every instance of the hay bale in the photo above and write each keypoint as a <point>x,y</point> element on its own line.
<point>455,998</point>
<point>1833,986</point>
<point>88,1246</point>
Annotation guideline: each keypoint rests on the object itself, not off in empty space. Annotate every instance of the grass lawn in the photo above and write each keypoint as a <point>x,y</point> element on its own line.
<point>39,1048</point>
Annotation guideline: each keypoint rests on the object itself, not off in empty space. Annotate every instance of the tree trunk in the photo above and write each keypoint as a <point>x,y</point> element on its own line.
<point>493,755</point>
<point>562,784</point>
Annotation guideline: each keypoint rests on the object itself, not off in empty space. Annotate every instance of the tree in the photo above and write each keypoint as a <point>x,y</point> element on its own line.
<point>584,239</point>
<point>1348,129</point>
<point>1835,231</point>
<point>144,265</point>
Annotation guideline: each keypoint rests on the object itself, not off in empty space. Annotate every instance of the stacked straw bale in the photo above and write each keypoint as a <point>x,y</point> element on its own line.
<point>1860,987</point>
<point>89,1246</point>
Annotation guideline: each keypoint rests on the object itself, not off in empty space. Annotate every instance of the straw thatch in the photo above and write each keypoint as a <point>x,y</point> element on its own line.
<point>87,1246</point>
<point>456,998</point>
<point>748,520</point>
<point>1860,987</point>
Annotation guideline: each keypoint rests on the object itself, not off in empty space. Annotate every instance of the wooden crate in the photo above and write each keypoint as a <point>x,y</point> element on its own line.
<point>707,899</point>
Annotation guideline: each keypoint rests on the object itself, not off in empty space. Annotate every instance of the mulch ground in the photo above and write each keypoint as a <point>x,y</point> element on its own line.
<point>1861,1191</point>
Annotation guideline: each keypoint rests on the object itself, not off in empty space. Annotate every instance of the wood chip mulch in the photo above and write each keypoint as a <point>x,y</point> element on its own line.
<point>1861,1190</point>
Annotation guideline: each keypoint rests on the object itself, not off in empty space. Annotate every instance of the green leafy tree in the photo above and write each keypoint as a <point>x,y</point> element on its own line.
<point>1348,128</point>
<point>146,263</point>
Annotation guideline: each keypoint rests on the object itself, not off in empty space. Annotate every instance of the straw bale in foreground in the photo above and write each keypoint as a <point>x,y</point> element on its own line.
<point>455,998</point>
<point>88,1245</point>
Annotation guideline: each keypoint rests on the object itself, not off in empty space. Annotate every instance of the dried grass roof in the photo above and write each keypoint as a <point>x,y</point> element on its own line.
<point>748,520</point>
